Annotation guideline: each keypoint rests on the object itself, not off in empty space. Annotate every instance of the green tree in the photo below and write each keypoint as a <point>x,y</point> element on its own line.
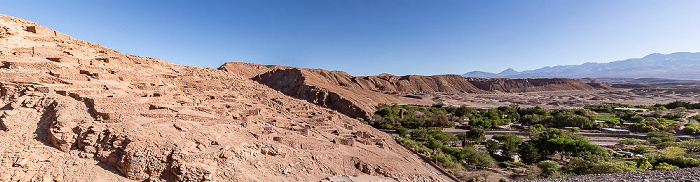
<point>510,143</point>
<point>420,134</point>
<point>483,122</point>
<point>478,158</point>
<point>476,133</point>
<point>529,153</point>
<point>491,146</point>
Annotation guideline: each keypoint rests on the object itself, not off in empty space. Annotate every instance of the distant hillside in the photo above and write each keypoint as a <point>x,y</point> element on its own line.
<point>681,65</point>
<point>358,96</point>
<point>530,85</point>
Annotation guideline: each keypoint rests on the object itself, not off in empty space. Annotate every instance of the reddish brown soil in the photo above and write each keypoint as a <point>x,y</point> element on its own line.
<point>76,111</point>
<point>529,85</point>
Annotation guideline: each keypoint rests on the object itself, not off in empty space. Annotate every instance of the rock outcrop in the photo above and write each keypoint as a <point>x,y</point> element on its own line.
<point>77,111</point>
<point>358,96</point>
<point>331,89</point>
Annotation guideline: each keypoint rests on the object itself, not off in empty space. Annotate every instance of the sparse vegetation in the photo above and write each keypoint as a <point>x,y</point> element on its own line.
<point>628,141</point>
<point>546,145</point>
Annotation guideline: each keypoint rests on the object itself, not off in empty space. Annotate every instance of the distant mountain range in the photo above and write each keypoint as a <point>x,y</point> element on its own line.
<point>680,65</point>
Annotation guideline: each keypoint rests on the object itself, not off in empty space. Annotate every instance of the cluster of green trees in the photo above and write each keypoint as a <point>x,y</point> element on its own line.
<point>560,118</point>
<point>680,104</point>
<point>661,119</point>
<point>544,145</point>
<point>671,154</point>
<point>432,142</point>
<point>610,107</point>
<point>672,157</point>
<point>596,160</point>
<point>395,116</point>
<point>670,122</point>
<point>658,107</point>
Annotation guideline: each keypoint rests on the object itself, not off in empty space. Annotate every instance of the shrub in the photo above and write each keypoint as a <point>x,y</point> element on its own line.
<point>386,126</point>
<point>628,141</point>
<point>574,130</point>
<point>673,151</point>
<point>447,161</point>
<point>659,137</point>
<point>549,168</point>
<point>664,166</point>
<point>664,145</point>
<point>641,149</point>
<point>680,161</point>
<point>402,132</point>
<point>591,164</point>
<point>608,167</point>
<point>691,145</point>
<point>645,165</point>
<point>691,129</point>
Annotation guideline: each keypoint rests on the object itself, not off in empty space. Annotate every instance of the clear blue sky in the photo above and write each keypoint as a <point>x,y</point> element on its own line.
<point>378,36</point>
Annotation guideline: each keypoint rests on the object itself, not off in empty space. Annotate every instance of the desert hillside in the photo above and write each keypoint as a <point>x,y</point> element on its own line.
<point>529,84</point>
<point>358,96</point>
<point>77,111</point>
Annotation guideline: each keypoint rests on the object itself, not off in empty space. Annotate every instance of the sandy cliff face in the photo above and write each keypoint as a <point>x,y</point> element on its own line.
<point>331,89</point>
<point>77,111</point>
<point>417,84</point>
<point>354,96</point>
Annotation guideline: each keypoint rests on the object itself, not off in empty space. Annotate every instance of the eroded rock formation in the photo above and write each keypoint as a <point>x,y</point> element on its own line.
<point>529,84</point>
<point>358,96</point>
<point>77,111</point>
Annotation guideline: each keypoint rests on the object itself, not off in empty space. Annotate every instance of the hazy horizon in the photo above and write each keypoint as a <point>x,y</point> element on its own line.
<point>374,37</point>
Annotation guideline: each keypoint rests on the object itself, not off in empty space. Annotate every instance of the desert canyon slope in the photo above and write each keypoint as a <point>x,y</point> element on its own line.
<point>358,96</point>
<point>77,111</point>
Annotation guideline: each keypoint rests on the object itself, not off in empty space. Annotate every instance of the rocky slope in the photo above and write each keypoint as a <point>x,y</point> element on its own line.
<point>529,84</point>
<point>358,96</point>
<point>77,111</point>
<point>332,89</point>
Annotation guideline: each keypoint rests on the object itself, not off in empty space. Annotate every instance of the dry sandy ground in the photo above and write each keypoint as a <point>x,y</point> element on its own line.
<point>561,99</point>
